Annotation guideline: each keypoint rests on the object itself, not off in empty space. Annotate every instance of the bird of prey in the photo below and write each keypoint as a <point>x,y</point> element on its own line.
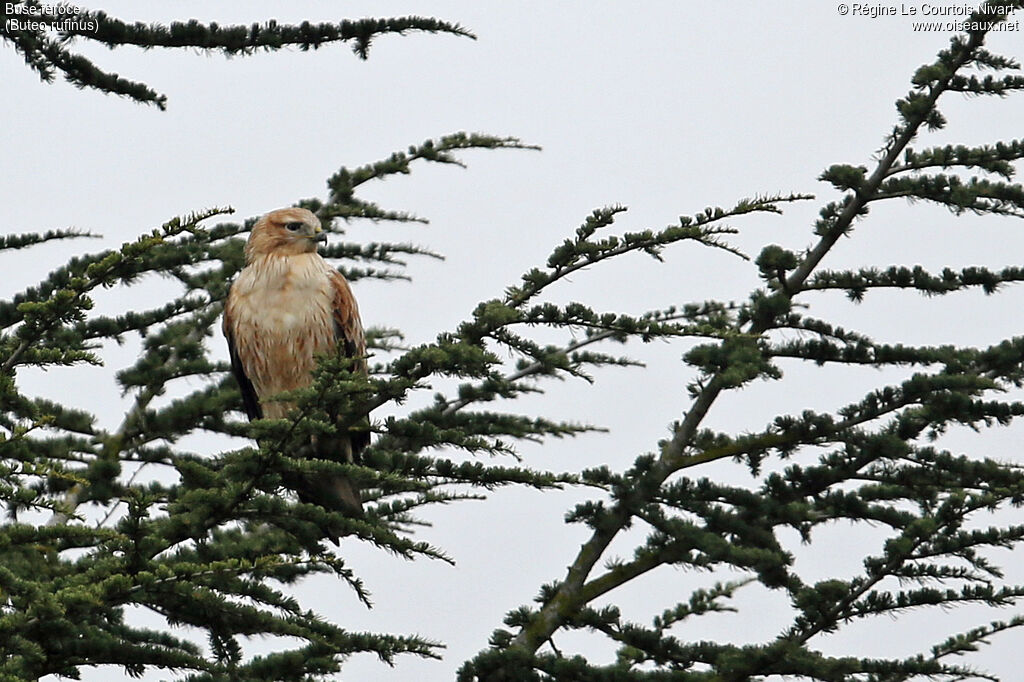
<point>286,307</point>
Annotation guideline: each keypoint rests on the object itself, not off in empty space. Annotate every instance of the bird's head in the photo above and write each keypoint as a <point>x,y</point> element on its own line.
<point>285,232</point>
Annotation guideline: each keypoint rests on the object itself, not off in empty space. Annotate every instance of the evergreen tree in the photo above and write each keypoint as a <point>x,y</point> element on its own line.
<point>104,521</point>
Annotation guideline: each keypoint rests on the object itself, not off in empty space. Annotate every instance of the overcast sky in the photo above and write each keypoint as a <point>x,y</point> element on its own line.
<point>666,107</point>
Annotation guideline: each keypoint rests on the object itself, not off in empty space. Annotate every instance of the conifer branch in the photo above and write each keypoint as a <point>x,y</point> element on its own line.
<point>126,436</point>
<point>42,36</point>
<point>582,252</point>
<point>856,283</point>
<point>449,407</point>
<point>997,158</point>
<point>342,202</point>
<point>917,111</point>
<point>20,241</point>
<point>68,303</point>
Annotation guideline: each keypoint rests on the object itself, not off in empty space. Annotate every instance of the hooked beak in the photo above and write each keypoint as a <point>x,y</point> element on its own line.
<point>320,237</point>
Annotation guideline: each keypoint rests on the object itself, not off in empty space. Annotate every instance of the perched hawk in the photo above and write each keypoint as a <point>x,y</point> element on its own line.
<point>286,307</point>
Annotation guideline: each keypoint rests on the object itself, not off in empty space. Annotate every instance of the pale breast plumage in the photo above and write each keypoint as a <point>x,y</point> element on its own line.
<point>282,313</point>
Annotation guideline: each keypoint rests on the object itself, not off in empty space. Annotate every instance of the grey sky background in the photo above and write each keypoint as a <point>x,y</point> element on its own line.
<point>666,107</point>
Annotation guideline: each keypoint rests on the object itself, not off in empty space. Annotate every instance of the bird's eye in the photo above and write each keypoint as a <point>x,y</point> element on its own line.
<point>294,227</point>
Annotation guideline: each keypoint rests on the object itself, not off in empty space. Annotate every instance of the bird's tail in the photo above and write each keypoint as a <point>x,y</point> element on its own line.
<point>335,492</point>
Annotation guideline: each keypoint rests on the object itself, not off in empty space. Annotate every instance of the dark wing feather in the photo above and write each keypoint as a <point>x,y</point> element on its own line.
<point>348,334</point>
<point>250,401</point>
